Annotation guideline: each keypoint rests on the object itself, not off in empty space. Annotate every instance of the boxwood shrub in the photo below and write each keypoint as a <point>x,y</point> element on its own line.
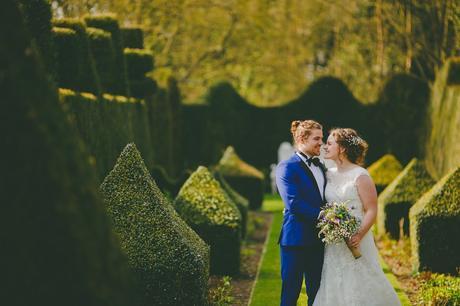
<point>241,202</point>
<point>453,71</point>
<point>396,200</point>
<point>170,260</point>
<point>58,243</point>
<point>384,171</point>
<point>138,62</point>
<point>203,204</point>
<point>435,226</point>
<point>244,178</point>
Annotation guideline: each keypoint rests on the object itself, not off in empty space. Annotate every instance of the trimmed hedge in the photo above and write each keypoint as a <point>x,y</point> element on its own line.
<point>68,53</point>
<point>244,178</point>
<point>241,202</point>
<point>453,71</point>
<point>435,226</point>
<point>203,204</point>
<point>58,244</point>
<point>384,171</point>
<point>396,200</point>
<point>88,78</point>
<point>101,46</point>
<point>170,260</point>
<point>139,62</point>
<point>107,124</point>
<point>168,185</point>
<point>133,37</point>
<point>110,24</point>
<point>143,88</point>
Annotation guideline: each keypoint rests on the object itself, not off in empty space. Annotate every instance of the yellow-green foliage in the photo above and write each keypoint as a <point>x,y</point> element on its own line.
<point>231,165</point>
<point>203,204</point>
<point>395,201</point>
<point>442,146</point>
<point>435,226</point>
<point>440,289</point>
<point>170,259</point>
<point>384,171</point>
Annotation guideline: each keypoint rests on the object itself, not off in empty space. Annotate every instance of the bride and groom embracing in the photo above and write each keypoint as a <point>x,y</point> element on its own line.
<point>332,274</point>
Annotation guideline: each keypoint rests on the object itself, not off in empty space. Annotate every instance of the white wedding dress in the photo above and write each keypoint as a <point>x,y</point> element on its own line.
<point>345,280</point>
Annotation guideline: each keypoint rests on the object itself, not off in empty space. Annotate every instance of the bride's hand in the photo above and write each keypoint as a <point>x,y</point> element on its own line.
<point>355,240</point>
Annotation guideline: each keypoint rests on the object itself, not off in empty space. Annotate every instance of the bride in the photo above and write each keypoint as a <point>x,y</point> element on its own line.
<point>346,280</point>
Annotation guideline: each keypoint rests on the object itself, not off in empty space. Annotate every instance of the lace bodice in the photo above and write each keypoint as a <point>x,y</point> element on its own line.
<point>341,187</point>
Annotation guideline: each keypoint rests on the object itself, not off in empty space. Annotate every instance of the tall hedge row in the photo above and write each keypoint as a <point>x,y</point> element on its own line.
<point>86,77</point>
<point>169,259</point>
<point>107,124</point>
<point>384,171</point>
<point>109,24</point>
<point>58,244</point>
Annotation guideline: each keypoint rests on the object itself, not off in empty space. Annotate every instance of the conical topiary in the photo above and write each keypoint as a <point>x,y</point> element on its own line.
<point>58,247</point>
<point>170,260</point>
<point>384,171</point>
<point>396,200</point>
<point>203,204</point>
<point>435,226</point>
<point>244,178</point>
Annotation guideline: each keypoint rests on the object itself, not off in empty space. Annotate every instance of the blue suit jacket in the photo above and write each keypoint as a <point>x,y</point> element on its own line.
<point>302,201</point>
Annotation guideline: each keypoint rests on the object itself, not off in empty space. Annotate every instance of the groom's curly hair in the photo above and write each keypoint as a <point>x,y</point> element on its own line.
<point>301,129</point>
<point>355,147</point>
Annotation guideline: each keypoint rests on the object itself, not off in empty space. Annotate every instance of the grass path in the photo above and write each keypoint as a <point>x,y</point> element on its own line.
<point>267,288</point>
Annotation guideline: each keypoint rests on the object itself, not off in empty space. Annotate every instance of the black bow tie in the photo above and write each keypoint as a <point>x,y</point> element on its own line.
<point>311,160</point>
<point>314,160</point>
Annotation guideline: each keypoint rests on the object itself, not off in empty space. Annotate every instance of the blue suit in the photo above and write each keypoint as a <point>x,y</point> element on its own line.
<point>302,251</point>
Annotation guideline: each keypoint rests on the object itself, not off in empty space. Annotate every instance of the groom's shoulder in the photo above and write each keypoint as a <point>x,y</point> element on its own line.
<point>293,160</point>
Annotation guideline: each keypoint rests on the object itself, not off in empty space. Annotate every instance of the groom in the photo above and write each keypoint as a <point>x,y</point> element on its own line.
<point>301,183</point>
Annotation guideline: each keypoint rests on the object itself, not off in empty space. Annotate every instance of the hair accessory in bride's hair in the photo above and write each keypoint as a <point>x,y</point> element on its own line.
<point>353,140</point>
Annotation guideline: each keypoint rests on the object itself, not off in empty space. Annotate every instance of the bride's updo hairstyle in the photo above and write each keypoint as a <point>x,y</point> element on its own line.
<point>301,129</point>
<point>355,147</point>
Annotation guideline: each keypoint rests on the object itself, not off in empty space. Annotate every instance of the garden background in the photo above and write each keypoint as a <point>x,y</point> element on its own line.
<point>139,137</point>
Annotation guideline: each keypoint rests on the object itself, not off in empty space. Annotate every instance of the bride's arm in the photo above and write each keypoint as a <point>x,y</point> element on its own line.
<point>368,196</point>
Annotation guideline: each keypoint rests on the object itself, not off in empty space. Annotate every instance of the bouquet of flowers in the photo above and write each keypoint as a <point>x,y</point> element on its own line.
<point>336,224</point>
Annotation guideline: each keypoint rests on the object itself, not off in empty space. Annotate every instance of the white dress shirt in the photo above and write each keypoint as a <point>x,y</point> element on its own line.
<point>317,173</point>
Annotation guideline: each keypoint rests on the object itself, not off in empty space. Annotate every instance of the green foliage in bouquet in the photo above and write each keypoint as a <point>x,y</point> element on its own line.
<point>244,178</point>
<point>133,37</point>
<point>384,171</point>
<point>396,200</point>
<point>440,289</point>
<point>203,204</point>
<point>170,261</point>
<point>110,24</point>
<point>241,202</point>
<point>87,78</point>
<point>59,247</point>
<point>435,226</point>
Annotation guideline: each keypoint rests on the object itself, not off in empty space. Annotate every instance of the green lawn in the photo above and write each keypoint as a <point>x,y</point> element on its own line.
<point>268,283</point>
